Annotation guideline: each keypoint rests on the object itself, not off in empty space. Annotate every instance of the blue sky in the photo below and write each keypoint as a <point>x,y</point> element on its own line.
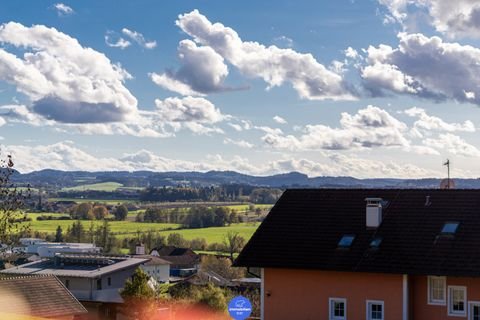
<point>386,88</point>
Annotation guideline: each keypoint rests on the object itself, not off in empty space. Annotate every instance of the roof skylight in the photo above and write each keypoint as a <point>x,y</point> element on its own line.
<point>375,243</point>
<point>450,227</point>
<point>346,240</point>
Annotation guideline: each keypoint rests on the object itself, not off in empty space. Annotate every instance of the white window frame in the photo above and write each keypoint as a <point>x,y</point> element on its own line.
<point>369,303</point>
<point>450,301</point>
<point>430,299</point>
<point>471,304</point>
<point>331,314</point>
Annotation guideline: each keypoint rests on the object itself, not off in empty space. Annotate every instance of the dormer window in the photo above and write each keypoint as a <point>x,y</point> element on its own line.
<point>346,241</point>
<point>450,228</point>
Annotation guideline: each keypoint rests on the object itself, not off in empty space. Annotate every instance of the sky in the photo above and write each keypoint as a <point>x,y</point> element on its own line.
<point>363,88</point>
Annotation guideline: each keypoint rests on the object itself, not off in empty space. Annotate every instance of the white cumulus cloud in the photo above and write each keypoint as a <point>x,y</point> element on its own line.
<point>114,41</point>
<point>279,120</point>
<point>425,67</point>
<point>447,142</point>
<point>276,66</point>
<point>426,123</point>
<point>63,9</point>
<point>188,109</point>
<point>456,19</point>
<point>66,156</point>
<point>238,143</point>
<point>202,71</point>
<point>139,38</point>
<point>369,127</point>
<point>64,80</point>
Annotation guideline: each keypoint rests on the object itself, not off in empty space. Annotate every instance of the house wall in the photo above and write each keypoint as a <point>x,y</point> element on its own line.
<point>419,296</point>
<point>81,288</point>
<point>161,273</point>
<point>304,294</point>
<point>85,289</point>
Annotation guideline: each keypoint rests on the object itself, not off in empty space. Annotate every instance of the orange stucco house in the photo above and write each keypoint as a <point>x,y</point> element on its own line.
<point>385,254</point>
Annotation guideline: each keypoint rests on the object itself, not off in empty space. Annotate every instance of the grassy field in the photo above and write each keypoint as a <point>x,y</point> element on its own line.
<point>130,228</point>
<point>115,226</point>
<point>217,234</point>
<point>102,201</point>
<point>103,186</point>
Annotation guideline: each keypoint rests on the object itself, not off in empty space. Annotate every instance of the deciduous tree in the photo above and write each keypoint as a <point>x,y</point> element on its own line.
<point>234,243</point>
<point>120,213</point>
<point>11,200</point>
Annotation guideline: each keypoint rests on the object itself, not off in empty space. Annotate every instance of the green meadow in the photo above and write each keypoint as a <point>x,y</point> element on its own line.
<point>103,186</point>
<point>130,228</point>
<point>50,226</point>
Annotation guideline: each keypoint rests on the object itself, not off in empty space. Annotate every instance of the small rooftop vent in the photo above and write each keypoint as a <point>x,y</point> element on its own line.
<point>140,249</point>
<point>374,212</point>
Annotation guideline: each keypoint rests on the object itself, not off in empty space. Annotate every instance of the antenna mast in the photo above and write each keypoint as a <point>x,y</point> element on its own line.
<point>447,163</point>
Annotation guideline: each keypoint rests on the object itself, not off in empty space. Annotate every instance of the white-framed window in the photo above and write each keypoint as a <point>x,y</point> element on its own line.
<point>474,310</point>
<point>337,308</point>
<point>437,291</point>
<point>457,301</point>
<point>375,310</point>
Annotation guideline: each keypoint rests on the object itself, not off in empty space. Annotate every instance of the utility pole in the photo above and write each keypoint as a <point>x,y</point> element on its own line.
<point>447,163</point>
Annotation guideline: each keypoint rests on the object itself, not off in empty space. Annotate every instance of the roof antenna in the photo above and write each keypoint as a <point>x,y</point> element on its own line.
<point>447,163</point>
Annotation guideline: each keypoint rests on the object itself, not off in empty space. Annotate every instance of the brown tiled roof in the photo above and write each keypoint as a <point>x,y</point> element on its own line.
<point>38,296</point>
<point>153,260</point>
<point>303,230</point>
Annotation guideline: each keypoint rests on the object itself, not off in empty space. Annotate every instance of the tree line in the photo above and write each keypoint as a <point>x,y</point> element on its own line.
<point>88,211</point>
<point>194,217</point>
<point>221,193</point>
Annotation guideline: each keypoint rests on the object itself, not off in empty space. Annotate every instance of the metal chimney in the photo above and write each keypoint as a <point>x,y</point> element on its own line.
<point>374,212</point>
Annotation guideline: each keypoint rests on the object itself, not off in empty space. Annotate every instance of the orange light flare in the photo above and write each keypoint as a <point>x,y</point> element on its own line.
<point>181,311</point>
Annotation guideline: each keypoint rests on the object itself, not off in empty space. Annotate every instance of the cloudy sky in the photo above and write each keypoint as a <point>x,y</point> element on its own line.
<point>370,88</point>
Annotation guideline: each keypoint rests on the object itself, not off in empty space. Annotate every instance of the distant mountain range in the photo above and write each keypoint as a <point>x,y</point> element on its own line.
<point>59,179</point>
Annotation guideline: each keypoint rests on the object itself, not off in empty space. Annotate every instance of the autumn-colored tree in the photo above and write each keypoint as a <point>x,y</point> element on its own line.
<point>100,212</point>
<point>83,211</point>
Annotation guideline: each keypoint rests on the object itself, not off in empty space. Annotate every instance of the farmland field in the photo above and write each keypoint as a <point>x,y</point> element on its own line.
<point>129,228</point>
<point>217,234</point>
<point>103,186</point>
<point>50,226</point>
<point>102,201</point>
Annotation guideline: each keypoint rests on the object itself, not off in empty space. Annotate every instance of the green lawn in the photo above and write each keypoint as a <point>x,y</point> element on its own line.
<point>217,234</point>
<point>115,226</point>
<point>103,186</point>
<point>129,228</point>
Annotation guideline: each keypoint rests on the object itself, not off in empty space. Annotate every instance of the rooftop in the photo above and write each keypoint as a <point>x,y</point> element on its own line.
<point>39,296</point>
<point>309,223</point>
<point>82,266</point>
<point>153,260</point>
